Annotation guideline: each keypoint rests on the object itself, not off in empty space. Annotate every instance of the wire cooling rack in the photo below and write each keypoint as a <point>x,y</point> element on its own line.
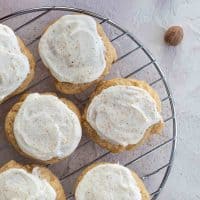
<point>153,160</point>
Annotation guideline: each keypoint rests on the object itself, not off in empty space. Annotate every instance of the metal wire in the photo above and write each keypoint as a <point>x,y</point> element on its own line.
<point>152,61</point>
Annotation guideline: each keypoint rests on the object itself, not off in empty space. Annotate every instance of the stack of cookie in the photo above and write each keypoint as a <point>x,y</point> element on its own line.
<point>119,115</point>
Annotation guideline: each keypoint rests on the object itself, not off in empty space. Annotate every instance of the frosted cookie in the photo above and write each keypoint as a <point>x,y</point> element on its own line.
<point>77,52</point>
<point>122,113</point>
<point>44,127</point>
<point>103,181</point>
<point>29,182</point>
<point>16,64</point>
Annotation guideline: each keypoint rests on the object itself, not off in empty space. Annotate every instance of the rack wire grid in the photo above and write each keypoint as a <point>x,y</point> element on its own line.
<point>153,160</point>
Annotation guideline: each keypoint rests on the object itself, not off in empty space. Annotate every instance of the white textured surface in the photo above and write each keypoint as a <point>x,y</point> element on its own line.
<point>108,182</point>
<point>45,127</point>
<point>73,50</point>
<point>14,64</point>
<point>121,114</point>
<point>148,20</point>
<point>17,183</point>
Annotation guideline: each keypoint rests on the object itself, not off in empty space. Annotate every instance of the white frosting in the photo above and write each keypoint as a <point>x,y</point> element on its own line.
<point>121,114</point>
<point>108,182</point>
<point>73,50</point>
<point>45,127</point>
<point>14,65</point>
<point>18,184</point>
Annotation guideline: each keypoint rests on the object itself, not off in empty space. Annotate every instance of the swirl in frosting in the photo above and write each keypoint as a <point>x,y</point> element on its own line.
<point>46,128</point>
<point>108,181</point>
<point>121,114</point>
<point>17,183</point>
<point>73,50</point>
<point>14,65</point>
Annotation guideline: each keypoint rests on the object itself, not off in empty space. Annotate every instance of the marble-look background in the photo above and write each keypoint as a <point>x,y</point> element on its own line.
<point>148,20</point>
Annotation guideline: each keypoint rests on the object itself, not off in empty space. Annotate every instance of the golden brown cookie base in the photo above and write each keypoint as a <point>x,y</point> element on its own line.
<point>140,184</point>
<point>9,123</point>
<point>30,75</point>
<point>110,56</point>
<point>106,144</point>
<point>45,174</point>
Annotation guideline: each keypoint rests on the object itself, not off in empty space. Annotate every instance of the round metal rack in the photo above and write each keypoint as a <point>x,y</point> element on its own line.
<point>152,161</point>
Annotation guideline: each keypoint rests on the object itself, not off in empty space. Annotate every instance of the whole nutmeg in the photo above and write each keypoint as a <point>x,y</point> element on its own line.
<point>174,35</point>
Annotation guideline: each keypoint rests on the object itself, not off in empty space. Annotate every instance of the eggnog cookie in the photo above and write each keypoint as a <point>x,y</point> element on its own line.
<point>122,113</point>
<point>103,181</point>
<point>44,127</point>
<point>77,52</point>
<point>17,64</point>
<point>29,182</point>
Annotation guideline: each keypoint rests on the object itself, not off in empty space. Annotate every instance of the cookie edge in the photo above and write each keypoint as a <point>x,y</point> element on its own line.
<point>110,57</point>
<point>45,174</point>
<point>140,184</point>
<point>91,133</point>
<point>25,50</point>
<point>9,124</point>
